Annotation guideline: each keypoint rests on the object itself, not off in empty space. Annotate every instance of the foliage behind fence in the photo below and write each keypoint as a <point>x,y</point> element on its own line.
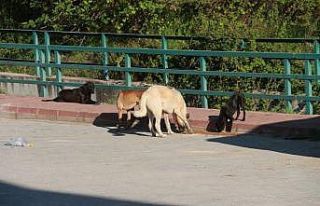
<point>205,69</point>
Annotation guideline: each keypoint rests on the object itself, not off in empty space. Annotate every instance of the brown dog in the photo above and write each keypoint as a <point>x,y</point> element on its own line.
<point>233,105</point>
<point>126,101</point>
<point>79,95</point>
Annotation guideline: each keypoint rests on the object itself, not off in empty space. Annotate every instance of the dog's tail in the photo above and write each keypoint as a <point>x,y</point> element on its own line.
<point>143,107</point>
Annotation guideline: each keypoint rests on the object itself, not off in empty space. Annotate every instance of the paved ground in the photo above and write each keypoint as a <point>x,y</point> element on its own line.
<point>81,164</point>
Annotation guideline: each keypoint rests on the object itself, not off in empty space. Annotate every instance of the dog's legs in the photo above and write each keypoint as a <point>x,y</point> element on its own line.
<point>88,100</point>
<point>244,114</point>
<point>242,104</point>
<point>150,124</point>
<point>120,112</point>
<point>157,115</point>
<point>238,112</point>
<point>128,116</point>
<point>158,128</point>
<point>119,118</point>
<point>135,122</point>
<point>166,120</point>
<point>58,99</point>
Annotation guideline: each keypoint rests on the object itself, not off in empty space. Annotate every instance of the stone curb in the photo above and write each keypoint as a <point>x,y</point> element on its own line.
<point>201,120</point>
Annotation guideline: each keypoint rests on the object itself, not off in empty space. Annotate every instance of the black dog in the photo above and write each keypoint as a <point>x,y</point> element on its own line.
<point>79,95</point>
<point>234,104</point>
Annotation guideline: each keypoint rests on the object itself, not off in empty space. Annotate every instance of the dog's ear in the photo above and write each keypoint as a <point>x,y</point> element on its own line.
<point>87,88</point>
<point>241,100</point>
<point>91,87</point>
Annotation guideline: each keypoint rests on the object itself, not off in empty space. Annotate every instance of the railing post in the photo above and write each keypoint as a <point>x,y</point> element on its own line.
<point>36,52</point>
<point>47,51</point>
<point>128,77</point>
<point>164,58</point>
<point>243,44</point>
<point>57,58</point>
<point>287,84</point>
<point>43,77</point>
<point>317,61</point>
<point>203,83</point>
<point>308,87</point>
<point>105,56</point>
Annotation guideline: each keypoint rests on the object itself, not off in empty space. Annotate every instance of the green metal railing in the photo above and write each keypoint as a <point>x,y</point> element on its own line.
<point>43,64</point>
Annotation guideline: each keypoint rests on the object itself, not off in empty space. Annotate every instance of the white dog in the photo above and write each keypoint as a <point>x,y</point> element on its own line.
<point>158,100</point>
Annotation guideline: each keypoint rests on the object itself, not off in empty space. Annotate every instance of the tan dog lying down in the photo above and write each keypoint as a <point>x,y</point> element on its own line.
<point>128,100</point>
<point>158,100</point>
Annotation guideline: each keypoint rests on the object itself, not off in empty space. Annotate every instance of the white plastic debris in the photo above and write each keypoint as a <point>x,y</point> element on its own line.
<point>18,142</point>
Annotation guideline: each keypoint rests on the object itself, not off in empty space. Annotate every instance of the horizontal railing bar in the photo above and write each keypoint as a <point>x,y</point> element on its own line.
<point>184,91</point>
<point>153,36</point>
<point>116,35</point>
<point>198,53</point>
<point>172,52</point>
<point>25,81</point>
<point>250,95</point>
<point>161,71</point>
<point>213,73</point>
<point>20,46</point>
<point>68,84</point>
<point>19,63</point>
<point>286,40</point>
<point>103,86</point>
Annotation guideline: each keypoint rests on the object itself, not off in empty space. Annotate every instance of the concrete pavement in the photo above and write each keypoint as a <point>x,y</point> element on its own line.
<point>82,164</point>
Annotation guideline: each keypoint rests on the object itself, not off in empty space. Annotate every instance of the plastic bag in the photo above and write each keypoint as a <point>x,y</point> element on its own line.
<point>18,142</point>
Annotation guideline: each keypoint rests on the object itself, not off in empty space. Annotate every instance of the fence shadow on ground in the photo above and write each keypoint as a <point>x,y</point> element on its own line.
<point>13,195</point>
<point>296,137</point>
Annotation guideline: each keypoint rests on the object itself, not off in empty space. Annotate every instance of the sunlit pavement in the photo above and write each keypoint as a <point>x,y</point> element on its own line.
<point>81,164</point>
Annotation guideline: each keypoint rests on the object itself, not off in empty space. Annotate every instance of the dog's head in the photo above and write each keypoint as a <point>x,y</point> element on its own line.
<point>220,124</point>
<point>181,126</point>
<point>239,98</point>
<point>221,121</point>
<point>87,88</point>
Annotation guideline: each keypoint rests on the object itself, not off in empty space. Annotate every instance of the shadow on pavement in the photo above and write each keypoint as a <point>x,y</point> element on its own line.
<point>13,195</point>
<point>296,137</point>
<point>110,122</point>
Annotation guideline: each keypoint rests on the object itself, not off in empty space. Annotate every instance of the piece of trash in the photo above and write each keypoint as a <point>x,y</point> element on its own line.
<point>18,142</point>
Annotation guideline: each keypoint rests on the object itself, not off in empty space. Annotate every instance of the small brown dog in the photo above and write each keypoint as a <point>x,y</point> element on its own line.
<point>234,104</point>
<point>79,95</point>
<point>126,101</point>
